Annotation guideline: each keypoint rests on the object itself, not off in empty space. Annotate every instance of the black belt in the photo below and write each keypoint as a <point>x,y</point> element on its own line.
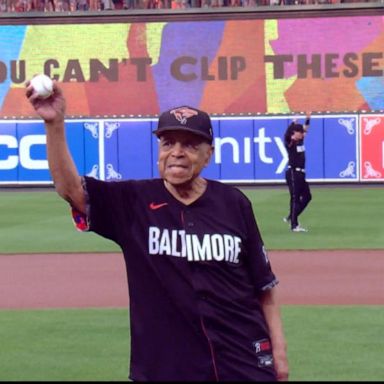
<point>297,169</point>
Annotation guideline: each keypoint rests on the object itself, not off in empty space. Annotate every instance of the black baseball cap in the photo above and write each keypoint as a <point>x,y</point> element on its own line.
<point>188,119</point>
<point>297,127</point>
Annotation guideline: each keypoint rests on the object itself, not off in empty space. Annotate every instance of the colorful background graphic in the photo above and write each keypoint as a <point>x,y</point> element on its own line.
<point>226,67</point>
<point>335,38</point>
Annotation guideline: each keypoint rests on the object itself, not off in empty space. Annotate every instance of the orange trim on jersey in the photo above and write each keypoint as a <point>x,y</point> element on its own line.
<point>80,220</point>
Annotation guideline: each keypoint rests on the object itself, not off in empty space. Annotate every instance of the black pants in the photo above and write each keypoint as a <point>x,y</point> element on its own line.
<point>300,194</point>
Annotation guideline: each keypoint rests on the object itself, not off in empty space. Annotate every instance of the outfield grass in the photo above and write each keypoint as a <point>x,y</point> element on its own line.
<point>337,218</point>
<point>64,345</point>
<point>335,343</point>
<point>325,343</point>
<point>40,221</point>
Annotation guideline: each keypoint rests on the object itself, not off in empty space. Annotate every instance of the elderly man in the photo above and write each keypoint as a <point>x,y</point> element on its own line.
<point>202,293</point>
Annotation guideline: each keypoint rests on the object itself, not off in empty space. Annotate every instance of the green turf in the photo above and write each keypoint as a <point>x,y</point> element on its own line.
<point>64,345</point>
<point>35,221</point>
<point>335,343</point>
<point>338,217</point>
<point>325,343</point>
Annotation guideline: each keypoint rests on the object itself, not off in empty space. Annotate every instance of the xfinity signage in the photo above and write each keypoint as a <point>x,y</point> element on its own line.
<point>242,151</point>
<point>248,149</point>
<point>25,152</point>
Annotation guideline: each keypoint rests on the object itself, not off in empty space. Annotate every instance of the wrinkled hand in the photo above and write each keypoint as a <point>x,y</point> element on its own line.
<point>281,366</point>
<point>50,109</point>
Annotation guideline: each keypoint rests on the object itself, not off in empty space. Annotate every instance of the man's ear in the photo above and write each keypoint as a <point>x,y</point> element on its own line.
<point>208,160</point>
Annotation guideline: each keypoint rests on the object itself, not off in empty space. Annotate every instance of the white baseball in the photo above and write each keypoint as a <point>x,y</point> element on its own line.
<point>42,85</point>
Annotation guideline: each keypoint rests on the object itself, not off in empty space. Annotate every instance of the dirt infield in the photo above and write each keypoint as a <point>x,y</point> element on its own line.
<point>98,280</point>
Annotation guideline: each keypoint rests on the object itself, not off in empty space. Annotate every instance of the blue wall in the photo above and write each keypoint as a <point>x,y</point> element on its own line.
<point>247,149</point>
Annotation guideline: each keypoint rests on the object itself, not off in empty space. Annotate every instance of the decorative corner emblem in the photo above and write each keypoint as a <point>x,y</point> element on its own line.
<point>370,124</point>
<point>111,173</point>
<point>370,172</point>
<point>349,171</point>
<point>94,171</point>
<point>110,127</point>
<point>93,128</point>
<point>348,124</point>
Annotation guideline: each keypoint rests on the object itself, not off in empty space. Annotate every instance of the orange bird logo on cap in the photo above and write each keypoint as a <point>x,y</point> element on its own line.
<point>183,113</point>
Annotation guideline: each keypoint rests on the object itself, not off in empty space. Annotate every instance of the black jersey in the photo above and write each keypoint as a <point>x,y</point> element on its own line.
<point>194,272</point>
<point>296,153</point>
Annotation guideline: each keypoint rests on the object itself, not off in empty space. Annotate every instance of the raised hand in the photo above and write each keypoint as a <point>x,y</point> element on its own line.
<point>51,109</point>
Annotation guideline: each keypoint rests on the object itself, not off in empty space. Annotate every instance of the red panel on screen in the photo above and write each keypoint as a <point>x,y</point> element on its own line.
<point>372,147</point>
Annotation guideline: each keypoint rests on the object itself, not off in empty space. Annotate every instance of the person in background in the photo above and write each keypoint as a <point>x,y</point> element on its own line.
<point>299,190</point>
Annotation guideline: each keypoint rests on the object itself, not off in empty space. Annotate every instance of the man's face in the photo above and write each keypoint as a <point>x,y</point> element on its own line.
<point>297,135</point>
<point>182,156</point>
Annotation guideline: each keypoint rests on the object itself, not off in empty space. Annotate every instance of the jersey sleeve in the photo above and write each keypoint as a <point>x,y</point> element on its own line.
<point>257,257</point>
<point>106,208</point>
<point>287,137</point>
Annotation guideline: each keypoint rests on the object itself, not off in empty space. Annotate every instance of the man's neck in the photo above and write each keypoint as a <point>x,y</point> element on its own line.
<point>189,192</point>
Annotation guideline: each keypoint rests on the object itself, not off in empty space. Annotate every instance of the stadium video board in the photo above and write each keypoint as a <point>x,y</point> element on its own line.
<point>283,63</point>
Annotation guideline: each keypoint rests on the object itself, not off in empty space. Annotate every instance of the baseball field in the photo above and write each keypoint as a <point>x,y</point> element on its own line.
<point>64,303</point>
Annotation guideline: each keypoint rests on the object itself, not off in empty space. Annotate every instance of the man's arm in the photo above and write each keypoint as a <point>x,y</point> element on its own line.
<point>272,314</point>
<point>62,168</point>
<point>288,136</point>
<point>307,121</point>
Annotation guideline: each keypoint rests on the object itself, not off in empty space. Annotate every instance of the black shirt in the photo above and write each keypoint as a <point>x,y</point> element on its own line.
<point>194,272</point>
<point>296,152</point>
